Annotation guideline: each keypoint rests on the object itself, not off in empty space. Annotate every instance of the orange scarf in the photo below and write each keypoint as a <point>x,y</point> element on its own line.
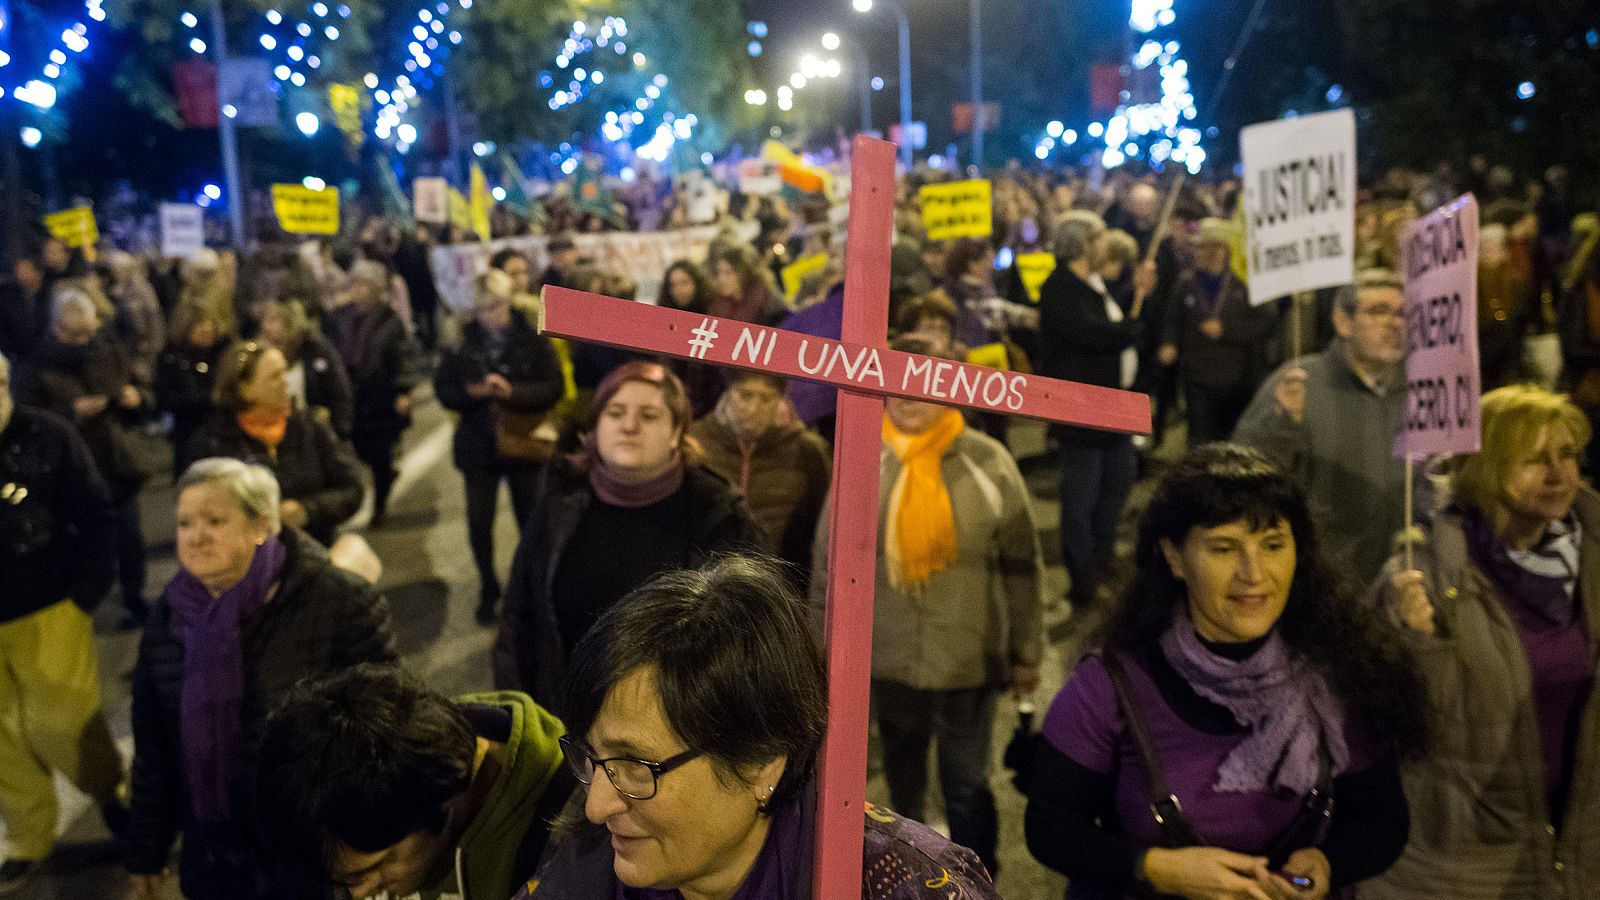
<point>265,425</point>
<point>921,537</point>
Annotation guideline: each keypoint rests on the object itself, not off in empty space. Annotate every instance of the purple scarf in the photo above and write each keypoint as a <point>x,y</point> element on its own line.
<point>355,331</point>
<point>633,496</point>
<point>1279,699</point>
<point>213,673</point>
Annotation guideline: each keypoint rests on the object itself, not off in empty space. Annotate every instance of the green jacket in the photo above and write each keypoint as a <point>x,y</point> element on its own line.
<point>495,856</point>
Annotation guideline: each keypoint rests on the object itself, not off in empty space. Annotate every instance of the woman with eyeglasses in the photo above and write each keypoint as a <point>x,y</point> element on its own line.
<point>256,421</point>
<point>696,710</point>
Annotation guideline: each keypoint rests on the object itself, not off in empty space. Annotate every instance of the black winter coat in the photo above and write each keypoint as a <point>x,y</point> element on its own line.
<point>322,620</point>
<point>1079,342</point>
<point>59,374</point>
<point>184,376</point>
<point>327,385</point>
<point>526,359</point>
<point>1237,360</point>
<point>387,365</point>
<point>313,466</point>
<point>528,652</point>
<point>57,529</point>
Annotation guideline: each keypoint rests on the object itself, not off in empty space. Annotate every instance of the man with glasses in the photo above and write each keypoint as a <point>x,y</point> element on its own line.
<point>372,783</point>
<point>1331,419</point>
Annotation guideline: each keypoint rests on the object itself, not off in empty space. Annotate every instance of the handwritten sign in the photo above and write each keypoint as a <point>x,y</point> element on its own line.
<point>431,199</point>
<point>1033,269</point>
<point>795,273</point>
<point>1440,256</point>
<point>74,227</point>
<point>183,230</point>
<point>871,370</point>
<point>957,209</point>
<point>1300,202</point>
<point>303,210</point>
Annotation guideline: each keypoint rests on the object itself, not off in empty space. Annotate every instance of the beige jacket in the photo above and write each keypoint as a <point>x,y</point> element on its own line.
<point>1480,824</point>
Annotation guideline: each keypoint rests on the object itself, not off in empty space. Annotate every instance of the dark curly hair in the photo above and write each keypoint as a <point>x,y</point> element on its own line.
<point>1325,622</point>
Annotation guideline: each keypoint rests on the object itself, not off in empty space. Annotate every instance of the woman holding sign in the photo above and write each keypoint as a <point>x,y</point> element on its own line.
<point>1500,605</point>
<point>1235,734</point>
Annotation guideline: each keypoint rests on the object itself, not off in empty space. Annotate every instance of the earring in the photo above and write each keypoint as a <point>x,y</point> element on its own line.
<point>762,804</point>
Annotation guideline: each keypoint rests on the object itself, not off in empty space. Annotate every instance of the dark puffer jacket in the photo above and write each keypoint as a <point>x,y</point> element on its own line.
<point>327,384</point>
<point>59,374</point>
<point>321,620</point>
<point>313,466</point>
<point>528,653</point>
<point>387,365</point>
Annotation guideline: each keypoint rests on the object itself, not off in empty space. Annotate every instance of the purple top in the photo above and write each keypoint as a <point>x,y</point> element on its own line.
<point>813,401</point>
<point>1561,664</point>
<point>1085,724</point>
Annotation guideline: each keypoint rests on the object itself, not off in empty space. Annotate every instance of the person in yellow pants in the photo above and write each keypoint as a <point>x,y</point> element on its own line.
<point>57,560</point>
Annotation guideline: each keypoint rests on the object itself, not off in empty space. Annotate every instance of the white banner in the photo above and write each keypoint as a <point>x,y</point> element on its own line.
<point>641,255</point>
<point>1300,203</point>
<point>183,230</point>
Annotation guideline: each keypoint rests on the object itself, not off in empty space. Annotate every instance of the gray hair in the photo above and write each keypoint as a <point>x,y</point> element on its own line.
<point>1076,233</point>
<point>255,487</point>
<point>1366,280</point>
<point>372,272</point>
<point>70,298</point>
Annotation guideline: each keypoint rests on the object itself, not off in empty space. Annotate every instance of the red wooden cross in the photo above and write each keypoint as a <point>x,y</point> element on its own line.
<point>865,371</point>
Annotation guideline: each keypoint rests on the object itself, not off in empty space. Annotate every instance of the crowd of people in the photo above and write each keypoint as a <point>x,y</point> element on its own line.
<point>1282,693</point>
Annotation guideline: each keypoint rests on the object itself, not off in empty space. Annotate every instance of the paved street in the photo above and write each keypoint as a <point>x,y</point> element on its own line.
<point>430,582</point>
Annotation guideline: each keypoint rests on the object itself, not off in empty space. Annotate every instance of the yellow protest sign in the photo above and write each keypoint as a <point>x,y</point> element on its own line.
<point>76,228</point>
<point>303,210</point>
<point>992,355</point>
<point>795,273</point>
<point>481,202</point>
<point>460,210</point>
<point>957,209</point>
<point>1033,269</point>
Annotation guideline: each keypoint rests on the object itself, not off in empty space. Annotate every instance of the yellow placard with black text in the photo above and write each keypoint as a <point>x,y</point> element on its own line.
<point>303,210</point>
<point>1033,269</point>
<point>957,209</point>
<point>76,228</point>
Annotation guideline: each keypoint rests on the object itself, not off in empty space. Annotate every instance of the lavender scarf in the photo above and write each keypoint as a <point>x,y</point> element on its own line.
<point>213,673</point>
<point>1283,703</point>
<point>633,496</point>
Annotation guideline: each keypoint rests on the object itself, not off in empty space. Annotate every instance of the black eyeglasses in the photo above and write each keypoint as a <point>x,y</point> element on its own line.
<point>636,779</point>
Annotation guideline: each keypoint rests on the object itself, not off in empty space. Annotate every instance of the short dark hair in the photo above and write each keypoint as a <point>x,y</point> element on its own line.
<point>499,260</point>
<point>362,758</point>
<point>739,672</point>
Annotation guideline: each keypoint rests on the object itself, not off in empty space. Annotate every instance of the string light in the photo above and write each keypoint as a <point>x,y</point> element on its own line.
<point>1141,125</point>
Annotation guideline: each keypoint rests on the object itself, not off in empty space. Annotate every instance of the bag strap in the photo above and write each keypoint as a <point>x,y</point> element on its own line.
<point>1315,810</point>
<point>1170,819</point>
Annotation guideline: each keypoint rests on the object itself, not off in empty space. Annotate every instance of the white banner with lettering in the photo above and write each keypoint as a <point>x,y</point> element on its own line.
<point>641,255</point>
<point>1300,203</point>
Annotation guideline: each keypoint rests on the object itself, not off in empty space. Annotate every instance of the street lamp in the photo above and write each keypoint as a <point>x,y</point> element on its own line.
<point>904,23</point>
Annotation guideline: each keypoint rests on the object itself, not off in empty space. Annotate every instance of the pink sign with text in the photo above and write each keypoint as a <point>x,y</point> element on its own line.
<point>1440,255</point>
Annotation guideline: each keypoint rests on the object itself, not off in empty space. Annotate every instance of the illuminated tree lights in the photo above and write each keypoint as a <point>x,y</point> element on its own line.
<point>40,92</point>
<point>1158,103</point>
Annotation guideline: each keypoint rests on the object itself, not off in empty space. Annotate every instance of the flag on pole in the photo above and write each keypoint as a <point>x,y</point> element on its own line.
<point>481,203</point>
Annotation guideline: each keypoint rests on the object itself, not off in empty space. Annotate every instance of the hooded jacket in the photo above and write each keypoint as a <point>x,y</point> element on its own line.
<point>502,846</point>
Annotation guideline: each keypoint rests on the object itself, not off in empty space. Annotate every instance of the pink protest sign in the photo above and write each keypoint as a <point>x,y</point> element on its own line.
<point>1440,255</point>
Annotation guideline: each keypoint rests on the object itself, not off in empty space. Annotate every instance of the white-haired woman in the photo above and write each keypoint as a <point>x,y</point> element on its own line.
<point>255,607</point>
<point>384,366</point>
<point>1085,336</point>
